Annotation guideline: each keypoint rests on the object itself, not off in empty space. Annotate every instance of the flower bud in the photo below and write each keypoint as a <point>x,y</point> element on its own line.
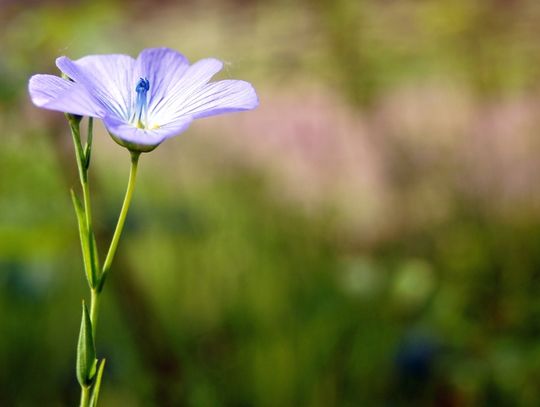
<point>86,351</point>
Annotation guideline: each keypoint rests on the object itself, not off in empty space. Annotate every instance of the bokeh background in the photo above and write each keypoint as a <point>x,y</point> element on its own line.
<point>369,236</point>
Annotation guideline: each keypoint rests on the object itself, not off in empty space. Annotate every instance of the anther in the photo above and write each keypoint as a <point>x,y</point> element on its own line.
<point>141,105</point>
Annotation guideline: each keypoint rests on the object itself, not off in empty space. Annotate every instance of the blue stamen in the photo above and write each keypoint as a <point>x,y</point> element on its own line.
<point>141,105</point>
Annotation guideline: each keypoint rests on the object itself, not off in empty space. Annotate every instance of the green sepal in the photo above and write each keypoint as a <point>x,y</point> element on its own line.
<point>73,119</point>
<point>88,244</point>
<point>97,385</point>
<point>86,351</point>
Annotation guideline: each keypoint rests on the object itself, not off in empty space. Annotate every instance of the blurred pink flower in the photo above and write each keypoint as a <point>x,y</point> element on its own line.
<point>410,162</point>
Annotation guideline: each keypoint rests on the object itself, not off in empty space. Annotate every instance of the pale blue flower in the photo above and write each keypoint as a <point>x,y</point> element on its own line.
<point>142,101</point>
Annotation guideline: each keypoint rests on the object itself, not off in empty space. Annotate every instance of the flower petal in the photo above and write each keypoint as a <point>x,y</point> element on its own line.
<point>109,78</point>
<point>217,98</point>
<point>163,67</point>
<point>129,136</point>
<point>55,93</point>
<point>162,108</point>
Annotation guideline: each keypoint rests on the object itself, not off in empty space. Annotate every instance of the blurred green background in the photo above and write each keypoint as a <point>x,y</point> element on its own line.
<point>369,236</point>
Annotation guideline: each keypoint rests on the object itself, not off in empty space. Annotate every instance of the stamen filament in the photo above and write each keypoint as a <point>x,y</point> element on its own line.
<point>140,118</point>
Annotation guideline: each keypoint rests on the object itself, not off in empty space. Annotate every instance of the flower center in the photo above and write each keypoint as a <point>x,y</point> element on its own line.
<point>141,105</point>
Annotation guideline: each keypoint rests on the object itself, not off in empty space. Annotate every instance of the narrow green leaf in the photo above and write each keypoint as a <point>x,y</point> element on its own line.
<point>84,238</point>
<point>97,385</point>
<point>87,155</point>
<point>79,210</point>
<point>86,351</point>
<point>88,146</point>
<point>74,124</point>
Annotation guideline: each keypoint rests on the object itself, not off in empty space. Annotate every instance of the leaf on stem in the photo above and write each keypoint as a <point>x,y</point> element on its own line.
<point>88,249</point>
<point>88,146</point>
<point>97,385</point>
<point>87,154</point>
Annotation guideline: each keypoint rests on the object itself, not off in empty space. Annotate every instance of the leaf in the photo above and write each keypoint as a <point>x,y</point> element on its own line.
<point>97,385</point>
<point>88,146</point>
<point>87,155</point>
<point>86,350</point>
<point>89,258</point>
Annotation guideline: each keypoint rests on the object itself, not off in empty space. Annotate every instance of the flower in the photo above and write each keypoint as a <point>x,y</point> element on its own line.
<point>142,101</point>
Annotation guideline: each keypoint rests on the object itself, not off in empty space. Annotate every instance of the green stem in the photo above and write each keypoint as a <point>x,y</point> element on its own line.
<point>94,309</point>
<point>121,219</point>
<point>85,397</point>
<point>91,260</point>
<point>87,237</point>
<point>83,162</point>
<point>96,291</point>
